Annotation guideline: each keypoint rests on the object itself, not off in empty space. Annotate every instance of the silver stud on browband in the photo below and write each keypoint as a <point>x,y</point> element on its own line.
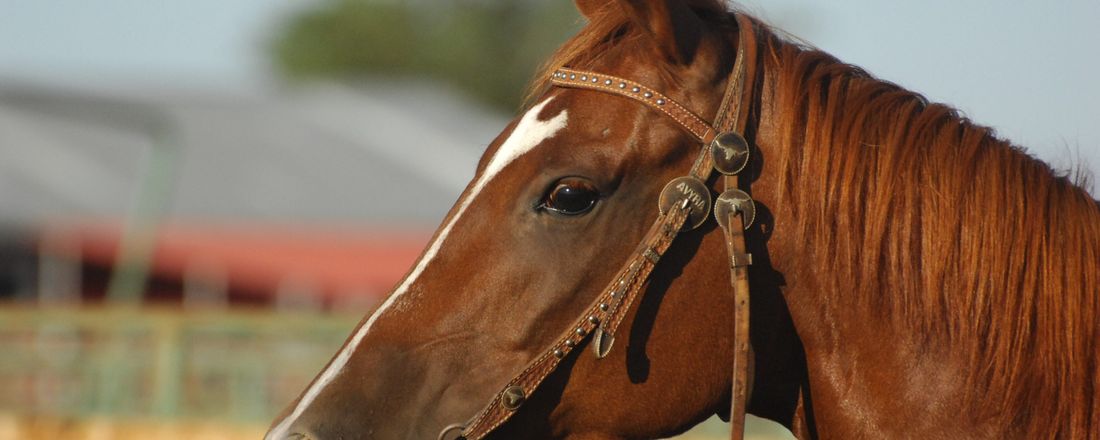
<point>660,102</point>
<point>648,95</point>
<point>595,80</point>
<point>593,320</point>
<point>570,343</point>
<point>608,82</point>
<point>603,307</point>
<point>636,89</point>
<point>559,354</point>
<point>573,76</point>
<point>622,85</point>
<point>580,332</point>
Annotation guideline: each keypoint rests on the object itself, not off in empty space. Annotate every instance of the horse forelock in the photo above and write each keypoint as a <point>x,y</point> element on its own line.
<point>912,213</point>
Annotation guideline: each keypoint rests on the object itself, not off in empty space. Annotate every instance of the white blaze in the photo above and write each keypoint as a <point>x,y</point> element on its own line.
<point>529,133</point>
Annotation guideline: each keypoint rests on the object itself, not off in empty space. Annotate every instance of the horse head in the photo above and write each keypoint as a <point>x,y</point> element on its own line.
<point>875,297</point>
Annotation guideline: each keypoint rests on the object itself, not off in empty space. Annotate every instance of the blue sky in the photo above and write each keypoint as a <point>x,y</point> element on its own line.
<point>203,43</point>
<point>1028,69</point>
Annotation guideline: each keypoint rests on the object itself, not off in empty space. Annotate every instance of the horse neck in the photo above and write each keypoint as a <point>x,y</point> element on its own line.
<point>911,238</point>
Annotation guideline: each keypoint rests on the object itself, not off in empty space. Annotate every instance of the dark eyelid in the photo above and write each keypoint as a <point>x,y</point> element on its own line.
<point>575,182</point>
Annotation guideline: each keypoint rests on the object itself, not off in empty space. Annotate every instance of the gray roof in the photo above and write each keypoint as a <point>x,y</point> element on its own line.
<point>376,153</point>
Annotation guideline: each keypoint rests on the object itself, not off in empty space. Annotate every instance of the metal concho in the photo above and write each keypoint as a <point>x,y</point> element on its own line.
<point>695,192</point>
<point>734,200</point>
<point>730,152</point>
<point>512,398</point>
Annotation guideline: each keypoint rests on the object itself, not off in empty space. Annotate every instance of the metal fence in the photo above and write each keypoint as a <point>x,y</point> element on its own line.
<point>235,366</point>
<point>64,372</point>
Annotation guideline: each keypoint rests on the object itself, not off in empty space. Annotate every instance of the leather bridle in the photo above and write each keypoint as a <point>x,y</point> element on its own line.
<point>685,204</point>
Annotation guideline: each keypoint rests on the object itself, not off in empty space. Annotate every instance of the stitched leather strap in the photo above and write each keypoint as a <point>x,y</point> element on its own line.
<point>690,122</point>
<point>606,308</point>
<point>733,116</point>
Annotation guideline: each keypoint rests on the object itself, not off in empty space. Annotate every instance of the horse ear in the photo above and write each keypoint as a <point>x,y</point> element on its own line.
<point>674,26</point>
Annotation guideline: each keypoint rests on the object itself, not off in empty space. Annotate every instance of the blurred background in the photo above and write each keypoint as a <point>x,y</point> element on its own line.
<point>199,200</point>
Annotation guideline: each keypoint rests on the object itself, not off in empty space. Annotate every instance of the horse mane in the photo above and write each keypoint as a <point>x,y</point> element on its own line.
<point>913,214</point>
<point>921,217</point>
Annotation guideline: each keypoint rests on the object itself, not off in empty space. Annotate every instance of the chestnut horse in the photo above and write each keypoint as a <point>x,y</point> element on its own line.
<point>913,276</point>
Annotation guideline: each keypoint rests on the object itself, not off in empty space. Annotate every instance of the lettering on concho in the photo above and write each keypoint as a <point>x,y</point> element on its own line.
<point>695,192</point>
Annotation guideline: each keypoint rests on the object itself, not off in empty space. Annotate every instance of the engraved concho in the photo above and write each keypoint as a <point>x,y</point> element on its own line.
<point>695,192</point>
<point>730,152</point>
<point>734,200</point>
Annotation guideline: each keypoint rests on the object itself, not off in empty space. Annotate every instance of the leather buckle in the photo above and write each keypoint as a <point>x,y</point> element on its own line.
<point>731,201</point>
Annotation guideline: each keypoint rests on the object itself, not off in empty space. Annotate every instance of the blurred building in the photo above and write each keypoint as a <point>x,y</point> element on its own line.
<point>320,196</point>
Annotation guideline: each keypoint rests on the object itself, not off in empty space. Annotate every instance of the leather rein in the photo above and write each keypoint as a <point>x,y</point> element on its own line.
<point>685,204</point>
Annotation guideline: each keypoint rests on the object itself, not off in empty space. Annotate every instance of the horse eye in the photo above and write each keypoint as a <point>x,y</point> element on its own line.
<point>571,196</point>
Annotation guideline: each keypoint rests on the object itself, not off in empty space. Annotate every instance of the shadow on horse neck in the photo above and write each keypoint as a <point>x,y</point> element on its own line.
<point>913,276</point>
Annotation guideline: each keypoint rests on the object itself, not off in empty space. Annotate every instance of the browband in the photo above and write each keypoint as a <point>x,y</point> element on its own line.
<point>579,79</point>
